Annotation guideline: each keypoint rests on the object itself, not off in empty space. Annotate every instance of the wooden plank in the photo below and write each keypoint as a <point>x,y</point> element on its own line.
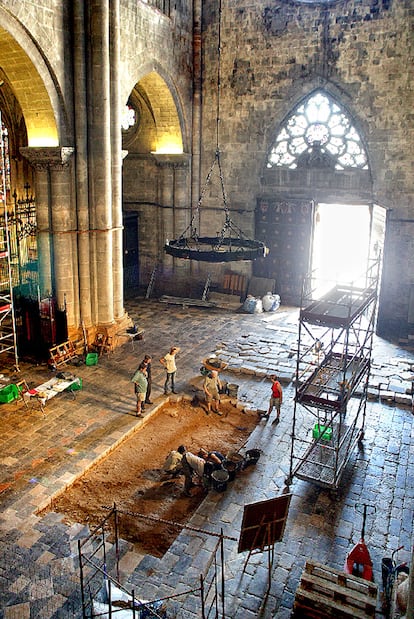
<point>62,353</point>
<point>314,606</point>
<point>349,580</point>
<point>338,592</point>
<point>326,592</point>
<point>186,301</point>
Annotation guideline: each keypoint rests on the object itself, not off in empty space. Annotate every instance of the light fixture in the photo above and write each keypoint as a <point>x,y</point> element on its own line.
<point>230,244</point>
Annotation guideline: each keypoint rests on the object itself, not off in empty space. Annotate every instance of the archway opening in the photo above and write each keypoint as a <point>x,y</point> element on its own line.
<point>343,245</point>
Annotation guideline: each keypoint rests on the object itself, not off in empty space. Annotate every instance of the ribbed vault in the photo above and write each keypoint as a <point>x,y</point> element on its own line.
<point>166,119</point>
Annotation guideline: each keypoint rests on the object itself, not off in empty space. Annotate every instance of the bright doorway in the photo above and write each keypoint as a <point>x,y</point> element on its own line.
<point>343,243</point>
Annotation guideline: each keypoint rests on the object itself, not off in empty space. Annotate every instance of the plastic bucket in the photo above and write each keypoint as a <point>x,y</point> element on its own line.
<point>252,456</point>
<point>231,468</point>
<point>322,432</point>
<point>91,358</point>
<point>9,393</point>
<point>236,458</point>
<point>219,479</point>
<point>232,390</point>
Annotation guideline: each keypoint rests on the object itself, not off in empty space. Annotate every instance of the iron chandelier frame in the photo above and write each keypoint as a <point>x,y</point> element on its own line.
<point>230,244</point>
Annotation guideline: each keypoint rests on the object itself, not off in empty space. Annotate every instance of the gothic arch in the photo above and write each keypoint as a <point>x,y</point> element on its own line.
<point>164,103</point>
<point>33,85</point>
<point>318,132</point>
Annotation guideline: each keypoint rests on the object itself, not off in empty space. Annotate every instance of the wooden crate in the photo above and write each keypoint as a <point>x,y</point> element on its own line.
<point>326,592</point>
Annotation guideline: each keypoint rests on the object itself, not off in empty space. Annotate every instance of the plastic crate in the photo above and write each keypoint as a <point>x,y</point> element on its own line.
<point>91,358</point>
<point>322,432</point>
<point>9,393</point>
<point>75,386</point>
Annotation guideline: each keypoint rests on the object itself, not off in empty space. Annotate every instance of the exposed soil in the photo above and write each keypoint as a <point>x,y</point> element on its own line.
<point>132,476</point>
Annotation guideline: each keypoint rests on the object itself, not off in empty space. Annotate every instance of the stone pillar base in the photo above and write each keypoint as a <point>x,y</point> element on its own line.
<point>109,331</point>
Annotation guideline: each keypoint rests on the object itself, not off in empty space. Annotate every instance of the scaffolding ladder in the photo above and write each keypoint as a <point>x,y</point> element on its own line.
<point>332,373</point>
<point>151,281</point>
<point>8,336</point>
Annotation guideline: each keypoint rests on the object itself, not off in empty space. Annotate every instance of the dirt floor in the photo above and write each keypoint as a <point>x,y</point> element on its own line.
<point>132,476</point>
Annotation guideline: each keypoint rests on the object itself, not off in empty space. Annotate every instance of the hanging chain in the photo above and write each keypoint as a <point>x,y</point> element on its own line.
<point>217,153</point>
<point>223,191</point>
<point>228,226</point>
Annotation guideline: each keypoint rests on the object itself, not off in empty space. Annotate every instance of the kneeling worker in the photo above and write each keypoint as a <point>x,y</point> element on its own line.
<point>172,464</point>
<point>191,465</point>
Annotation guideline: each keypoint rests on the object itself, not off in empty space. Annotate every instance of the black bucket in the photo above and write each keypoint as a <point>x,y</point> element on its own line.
<point>236,458</point>
<point>220,479</point>
<point>252,457</point>
<point>231,468</point>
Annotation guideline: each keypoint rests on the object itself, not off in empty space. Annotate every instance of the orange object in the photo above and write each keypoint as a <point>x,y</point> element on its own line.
<point>358,562</point>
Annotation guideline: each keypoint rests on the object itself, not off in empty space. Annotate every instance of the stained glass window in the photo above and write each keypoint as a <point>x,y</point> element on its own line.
<point>318,124</point>
<point>129,117</point>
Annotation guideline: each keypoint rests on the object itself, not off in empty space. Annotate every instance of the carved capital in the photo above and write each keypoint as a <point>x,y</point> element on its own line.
<point>181,160</point>
<point>48,157</point>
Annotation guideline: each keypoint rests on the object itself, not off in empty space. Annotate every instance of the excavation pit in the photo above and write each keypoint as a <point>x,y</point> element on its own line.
<point>132,477</point>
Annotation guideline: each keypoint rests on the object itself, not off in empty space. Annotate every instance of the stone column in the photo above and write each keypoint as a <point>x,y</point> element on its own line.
<point>171,195</point>
<point>56,227</point>
<point>116,141</point>
<point>99,120</point>
<point>43,223</point>
<point>64,239</point>
<point>81,162</point>
<point>197,105</point>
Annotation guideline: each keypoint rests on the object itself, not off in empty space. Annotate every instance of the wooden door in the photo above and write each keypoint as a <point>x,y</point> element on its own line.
<point>131,254</point>
<point>286,228</point>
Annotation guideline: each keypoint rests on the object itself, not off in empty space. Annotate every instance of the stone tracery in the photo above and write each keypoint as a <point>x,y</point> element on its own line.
<point>319,133</point>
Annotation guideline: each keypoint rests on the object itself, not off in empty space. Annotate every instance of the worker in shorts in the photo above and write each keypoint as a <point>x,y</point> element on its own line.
<point>215,458</point>
<point>172,464</point>
<point>211,387</point>
<point>140,386</point>
<point>276,399</point>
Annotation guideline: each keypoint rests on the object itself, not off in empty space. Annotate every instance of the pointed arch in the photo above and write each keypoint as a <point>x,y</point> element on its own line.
<point>319,132</point>
<point>32,82</point>
<point>161,98</point>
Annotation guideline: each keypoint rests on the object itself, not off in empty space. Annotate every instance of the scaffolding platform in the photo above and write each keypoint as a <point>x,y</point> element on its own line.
<point>324,461</point>
<point>325,386</point>
<point>339,307</point>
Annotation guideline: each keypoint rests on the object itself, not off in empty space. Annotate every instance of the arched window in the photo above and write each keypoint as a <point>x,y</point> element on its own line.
<point>318,134</point>
<point>129,117</point>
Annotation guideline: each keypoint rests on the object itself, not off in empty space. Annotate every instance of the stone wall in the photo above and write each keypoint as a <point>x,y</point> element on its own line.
<point>272,56</point>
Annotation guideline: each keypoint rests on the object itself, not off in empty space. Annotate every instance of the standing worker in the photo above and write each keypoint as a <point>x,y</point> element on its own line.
<point>140,384</point>
<point>275,399</point>
<point>147,360</point>
<point>168,361</point>
<point>211,387</point>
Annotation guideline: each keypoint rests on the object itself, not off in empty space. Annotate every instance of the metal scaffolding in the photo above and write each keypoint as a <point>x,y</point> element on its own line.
<point>8,337</point>
<point>332,371</point>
